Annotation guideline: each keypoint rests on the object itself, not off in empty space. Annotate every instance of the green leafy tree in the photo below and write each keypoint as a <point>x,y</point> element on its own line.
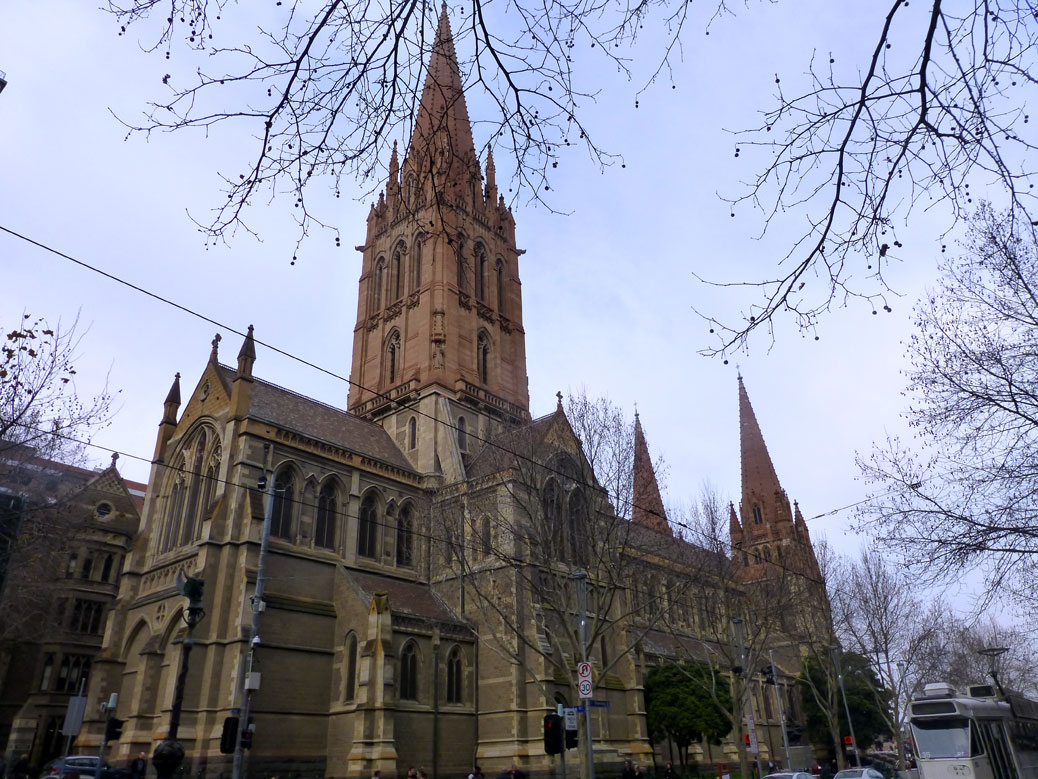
<point>689,703</point>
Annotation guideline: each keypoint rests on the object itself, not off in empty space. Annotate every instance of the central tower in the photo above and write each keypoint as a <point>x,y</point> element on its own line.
<point>439,350</point>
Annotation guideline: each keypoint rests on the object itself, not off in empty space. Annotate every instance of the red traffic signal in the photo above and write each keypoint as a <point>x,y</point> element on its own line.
<point>848,740</point>
<point>554,742</point>
<point>746,737</point>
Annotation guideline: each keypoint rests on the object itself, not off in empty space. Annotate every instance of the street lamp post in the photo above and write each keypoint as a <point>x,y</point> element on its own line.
<point>834,652</point>
<point>169,753</point>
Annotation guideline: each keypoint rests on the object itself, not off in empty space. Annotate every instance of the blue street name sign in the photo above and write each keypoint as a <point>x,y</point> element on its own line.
<point>580,709</point>
<point>599,704</point>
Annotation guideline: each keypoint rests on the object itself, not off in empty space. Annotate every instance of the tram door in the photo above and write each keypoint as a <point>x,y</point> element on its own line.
<point>993,737</point>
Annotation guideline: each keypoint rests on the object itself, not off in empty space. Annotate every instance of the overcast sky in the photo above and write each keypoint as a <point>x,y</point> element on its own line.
<point>608,288</point>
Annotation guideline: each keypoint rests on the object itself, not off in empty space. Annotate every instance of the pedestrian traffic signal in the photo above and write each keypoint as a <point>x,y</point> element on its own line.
<point>553,738</point>
<point>113,729</point>
<point>746,738</point>
<point>229,735</point>
<point>571,739</point>
<point>848,740</point>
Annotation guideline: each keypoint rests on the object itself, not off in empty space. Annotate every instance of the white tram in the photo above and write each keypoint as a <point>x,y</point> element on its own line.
<point>975,736</point>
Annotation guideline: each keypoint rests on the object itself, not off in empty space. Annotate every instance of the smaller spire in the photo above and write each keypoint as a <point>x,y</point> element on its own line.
<point>491,193</point>
<point>215,353</point>
<point>648,503</point>
<point>247,355</point>
<point>174,392</point>
<point>734,526</point>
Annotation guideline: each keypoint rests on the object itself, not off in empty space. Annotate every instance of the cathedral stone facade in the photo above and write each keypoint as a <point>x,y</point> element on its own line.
<point>418,606</point>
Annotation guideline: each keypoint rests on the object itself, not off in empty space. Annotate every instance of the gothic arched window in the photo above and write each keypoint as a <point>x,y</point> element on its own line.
<point>284,501</point>
<point>576,522</point>
<point>416,265</point>
<point>767,554</point>
<point>757,517</point>
<point>462,284</point>
<point>412,433</point>
<point>483,357</point>
<point>462,434</point>
<point>324,527</point>
<point>367,527</point>
<point>454,676</point>
<point>380,272</point>
<point>409,673</point>
<point>481,272</point>
<point>351,668</point>
<point>499,274</point>
<point>396,272</point>
<point>106,568</point>
<point>411,191</point>
<point>405,538</point>
<point>486,545</point>
<point>393,357</point>
<point>552,502</point>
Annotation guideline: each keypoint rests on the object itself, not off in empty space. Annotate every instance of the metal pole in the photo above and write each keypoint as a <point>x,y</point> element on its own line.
<point>581,580</point>
<point>558,709</point>
<point>835,652</point>
<point>257,610</point>
<point>782,714</point>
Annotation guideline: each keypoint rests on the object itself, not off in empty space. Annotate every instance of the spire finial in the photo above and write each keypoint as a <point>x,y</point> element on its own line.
<point>559,396</point>
<point>115,458</point>
<point>216,347</point>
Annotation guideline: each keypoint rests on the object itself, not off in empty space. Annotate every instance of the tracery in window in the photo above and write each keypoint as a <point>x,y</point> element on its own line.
<point>284,505</point>
<point>454,676</point>
<point>409,673</point>
<point>192,490</point>
<point>405,538</point>
<point>367,527</point>
<point>577,527</point>
<point>324,526</point>
<point>551,500</point>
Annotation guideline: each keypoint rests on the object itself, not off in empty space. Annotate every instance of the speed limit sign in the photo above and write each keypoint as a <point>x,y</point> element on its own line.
<point>584,686</point>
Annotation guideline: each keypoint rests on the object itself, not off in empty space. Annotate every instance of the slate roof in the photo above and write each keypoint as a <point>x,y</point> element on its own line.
<point>404,596</point>
<point>312,418</point>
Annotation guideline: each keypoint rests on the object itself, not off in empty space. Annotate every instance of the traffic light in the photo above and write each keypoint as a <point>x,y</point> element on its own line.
<point>246,735</point>
<point>746,738</point>
<point>113,729</point>
<point>571,739</point>
<point>229,735</point>
<point>848,740</point>
<point>553,738</point>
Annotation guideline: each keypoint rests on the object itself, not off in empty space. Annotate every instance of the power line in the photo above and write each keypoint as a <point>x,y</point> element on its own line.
<point>397,403</point>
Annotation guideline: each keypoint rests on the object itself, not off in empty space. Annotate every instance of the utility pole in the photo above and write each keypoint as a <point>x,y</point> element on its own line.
<point>581,580</point>
<point>834,651</point>
<point>266,483</point>
<point>782,714</point>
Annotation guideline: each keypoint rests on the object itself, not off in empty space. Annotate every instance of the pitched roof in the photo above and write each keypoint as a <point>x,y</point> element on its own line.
<point>312,418</point>
<point>405,596</point>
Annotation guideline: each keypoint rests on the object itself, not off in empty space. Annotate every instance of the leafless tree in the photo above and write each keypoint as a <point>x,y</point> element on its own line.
<point>324,87</point>
<point>936,112</point>
<point>962,495</point>
<point>879,615</point>
<point>958,660</point>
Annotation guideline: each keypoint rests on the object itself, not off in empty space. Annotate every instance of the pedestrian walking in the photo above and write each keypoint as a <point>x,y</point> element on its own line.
<point>669,772</point>
<point>139,766</point>
<point>477,773</point>
<point>628,772</point>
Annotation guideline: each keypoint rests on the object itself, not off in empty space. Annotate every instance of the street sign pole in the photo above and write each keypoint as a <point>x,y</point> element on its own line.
<point>563,753</point>
<point>581,581</point>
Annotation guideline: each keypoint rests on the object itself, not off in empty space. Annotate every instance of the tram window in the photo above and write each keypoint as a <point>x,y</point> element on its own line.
<point>945,737</point>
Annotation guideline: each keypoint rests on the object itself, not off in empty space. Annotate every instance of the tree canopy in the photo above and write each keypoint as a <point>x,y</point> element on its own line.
<point>860,682</point>
<point>688,703</point>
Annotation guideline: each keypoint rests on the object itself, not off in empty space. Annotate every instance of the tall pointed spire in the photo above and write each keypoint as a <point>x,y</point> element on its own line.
<point>648,504</point>
<point>442,141</point>
<point>758,472</point>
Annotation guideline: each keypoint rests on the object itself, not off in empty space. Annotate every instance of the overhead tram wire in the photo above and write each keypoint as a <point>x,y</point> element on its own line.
<point>328,372</point>
<point>447,540</point>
